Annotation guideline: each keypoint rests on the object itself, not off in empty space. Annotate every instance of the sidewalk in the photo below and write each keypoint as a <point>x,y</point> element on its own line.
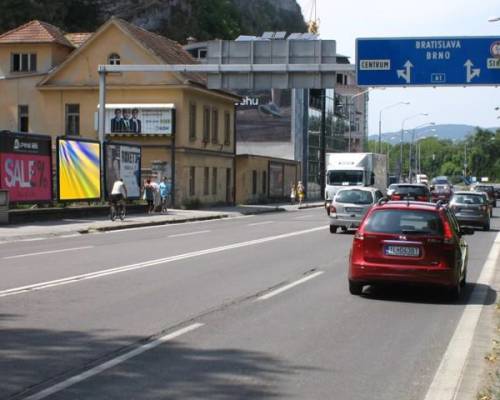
<point>75,226</point>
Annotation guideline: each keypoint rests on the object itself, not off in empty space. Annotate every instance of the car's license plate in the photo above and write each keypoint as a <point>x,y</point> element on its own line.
<point>402,251</point>
<point>353,209</point>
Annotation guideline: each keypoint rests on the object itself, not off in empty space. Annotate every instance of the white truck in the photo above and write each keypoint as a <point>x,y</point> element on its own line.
<point>354,169</point>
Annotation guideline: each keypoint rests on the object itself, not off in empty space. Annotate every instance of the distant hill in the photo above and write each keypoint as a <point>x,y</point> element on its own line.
<point>445,131</point>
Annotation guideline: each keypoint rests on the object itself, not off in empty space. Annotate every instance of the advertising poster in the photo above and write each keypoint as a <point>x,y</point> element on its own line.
<point>25,167</point>
<point>79,170</point>
<point>264,116</point>
<point>140,119</point>
<point>276,180</point>
<point>123,161</point>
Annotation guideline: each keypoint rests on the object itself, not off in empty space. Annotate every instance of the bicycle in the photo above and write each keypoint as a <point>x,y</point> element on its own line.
<point>117,210</point>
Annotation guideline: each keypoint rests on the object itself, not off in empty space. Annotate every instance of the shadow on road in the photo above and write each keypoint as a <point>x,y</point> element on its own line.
<point>36,359</point>
<point>485,295</point>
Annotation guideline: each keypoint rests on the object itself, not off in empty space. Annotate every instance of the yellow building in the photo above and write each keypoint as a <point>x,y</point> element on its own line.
<point>49,85</point>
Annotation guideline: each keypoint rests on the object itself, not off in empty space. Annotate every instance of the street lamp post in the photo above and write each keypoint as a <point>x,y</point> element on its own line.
<point>351,98</point>
<point>380,121</point>
<point>411,147</point>
<point>401,142</point>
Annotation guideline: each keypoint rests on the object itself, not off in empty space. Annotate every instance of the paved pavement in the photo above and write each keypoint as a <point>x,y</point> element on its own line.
<point>253,307</point>
<point>71,226</point>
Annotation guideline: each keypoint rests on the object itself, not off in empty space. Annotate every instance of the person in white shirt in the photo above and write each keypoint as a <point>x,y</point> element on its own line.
<point>119,191</point>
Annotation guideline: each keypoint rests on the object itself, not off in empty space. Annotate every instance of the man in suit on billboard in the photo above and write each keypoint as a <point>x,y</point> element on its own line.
<point>135,122</point>
<point>117,124</point>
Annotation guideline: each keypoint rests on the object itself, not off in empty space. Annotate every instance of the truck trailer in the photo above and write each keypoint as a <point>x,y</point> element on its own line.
<point>354,169</point>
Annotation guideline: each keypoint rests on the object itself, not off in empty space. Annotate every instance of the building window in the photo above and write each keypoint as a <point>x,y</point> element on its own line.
<point>23,62</point>
<point>206,180</point>
<point>114,59</point>
<point>206,124</point>
<point>73,119</point>
<point>227,128</point>
<point>214,180</point>
<point>264,182</point>
<point>192,171</point>
<point>215,126</point>
<point>192,121</point>
<point>254,182</point>
<point>23,114</point>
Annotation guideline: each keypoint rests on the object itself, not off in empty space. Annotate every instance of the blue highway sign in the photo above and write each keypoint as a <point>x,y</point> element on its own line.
<point>428,61</point>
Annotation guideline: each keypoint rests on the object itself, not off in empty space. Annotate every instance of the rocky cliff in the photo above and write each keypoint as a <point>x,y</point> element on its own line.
<point>177,19</point>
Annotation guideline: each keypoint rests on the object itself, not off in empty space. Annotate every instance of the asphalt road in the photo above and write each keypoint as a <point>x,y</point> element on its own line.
<point>203,311</point>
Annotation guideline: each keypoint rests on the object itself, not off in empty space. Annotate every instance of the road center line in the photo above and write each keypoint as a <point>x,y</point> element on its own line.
<point>449,374</point>
<point>150,263</point>
<point>261,223</point>
<point>289,286</point>
<point>188,234</point>
<point>111,363</point>
<point>48,252</point>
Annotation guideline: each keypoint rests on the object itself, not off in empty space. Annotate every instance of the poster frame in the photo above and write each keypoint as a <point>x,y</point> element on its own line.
<point>51,181</point>
<point>77,139</point>
<point>105,180</point>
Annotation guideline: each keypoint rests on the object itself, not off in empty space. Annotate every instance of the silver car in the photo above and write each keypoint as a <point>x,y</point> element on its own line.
<point>471,209</point>
<point>350,205</point>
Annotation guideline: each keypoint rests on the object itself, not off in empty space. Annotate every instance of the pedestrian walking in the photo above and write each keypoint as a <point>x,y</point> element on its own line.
<point>293,193</point>
<point>300,192</point>
<point>149,195</point>
<point>165,189</point>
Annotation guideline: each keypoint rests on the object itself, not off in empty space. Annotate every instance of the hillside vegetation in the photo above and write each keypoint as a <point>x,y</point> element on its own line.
<point>176,19</point>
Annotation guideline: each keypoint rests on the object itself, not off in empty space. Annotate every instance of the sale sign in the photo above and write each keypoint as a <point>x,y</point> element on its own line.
<point>25,167</point>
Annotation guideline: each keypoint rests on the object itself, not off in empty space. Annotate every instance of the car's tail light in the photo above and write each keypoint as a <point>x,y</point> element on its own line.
<point>359,235</point>
<point>333,210</point>
<point>422,198</point>
<point>448,233</point>
<point>396,197</point>
<point>484,208</point>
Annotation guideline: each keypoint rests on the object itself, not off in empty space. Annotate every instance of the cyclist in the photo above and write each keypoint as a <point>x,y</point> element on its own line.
<point>118,196</point>
<point>165,189</point>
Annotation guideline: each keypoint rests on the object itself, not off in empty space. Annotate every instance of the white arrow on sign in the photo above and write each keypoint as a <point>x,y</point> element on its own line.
<point>471,72</point>
<point>406,73</point>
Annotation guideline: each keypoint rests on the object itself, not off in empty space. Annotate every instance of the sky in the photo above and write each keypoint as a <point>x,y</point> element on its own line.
<point>344,21</point>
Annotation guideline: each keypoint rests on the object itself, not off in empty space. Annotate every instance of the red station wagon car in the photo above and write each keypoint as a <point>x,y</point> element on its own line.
<point>409,242</point>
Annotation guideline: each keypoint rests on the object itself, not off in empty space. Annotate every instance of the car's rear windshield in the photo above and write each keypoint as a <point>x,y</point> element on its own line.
<point>354,197</point>
<point>468,199</point>
<point>486,189</point>
<point>414,190</point>
<point>405,221</point>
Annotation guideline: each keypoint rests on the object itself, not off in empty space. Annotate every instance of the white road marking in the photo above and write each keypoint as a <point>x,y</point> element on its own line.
<point>111,363</point>
<point>261,223</point>
<point>147,264</point>
<point>449,374</point>
<point>305,216</point>
<point>188,234</point>
<point>32,239</point>
<point>71,235</point>
<point>289,286</point>
<point>48,252</point>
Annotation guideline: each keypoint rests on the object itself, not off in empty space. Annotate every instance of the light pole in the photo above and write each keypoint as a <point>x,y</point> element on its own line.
<point>380,121</point>
<point>351,98</point>
<point>419,150</point>
<point>411,147</point>
<point>401,142</point>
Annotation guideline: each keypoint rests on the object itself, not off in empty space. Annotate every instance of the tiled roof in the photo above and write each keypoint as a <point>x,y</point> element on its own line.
<point>77,39</point>
<point>167,50</point>
<point>35,32</point>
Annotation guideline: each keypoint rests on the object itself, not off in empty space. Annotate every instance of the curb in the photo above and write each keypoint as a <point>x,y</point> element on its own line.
<point>152,223</point>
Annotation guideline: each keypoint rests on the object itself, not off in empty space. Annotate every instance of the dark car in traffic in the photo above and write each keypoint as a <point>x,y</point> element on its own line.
<point>471,209</point>
<point>409,242</point>
<point>489,190</point>
<point>441,191</point>
<point>409,191</point>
